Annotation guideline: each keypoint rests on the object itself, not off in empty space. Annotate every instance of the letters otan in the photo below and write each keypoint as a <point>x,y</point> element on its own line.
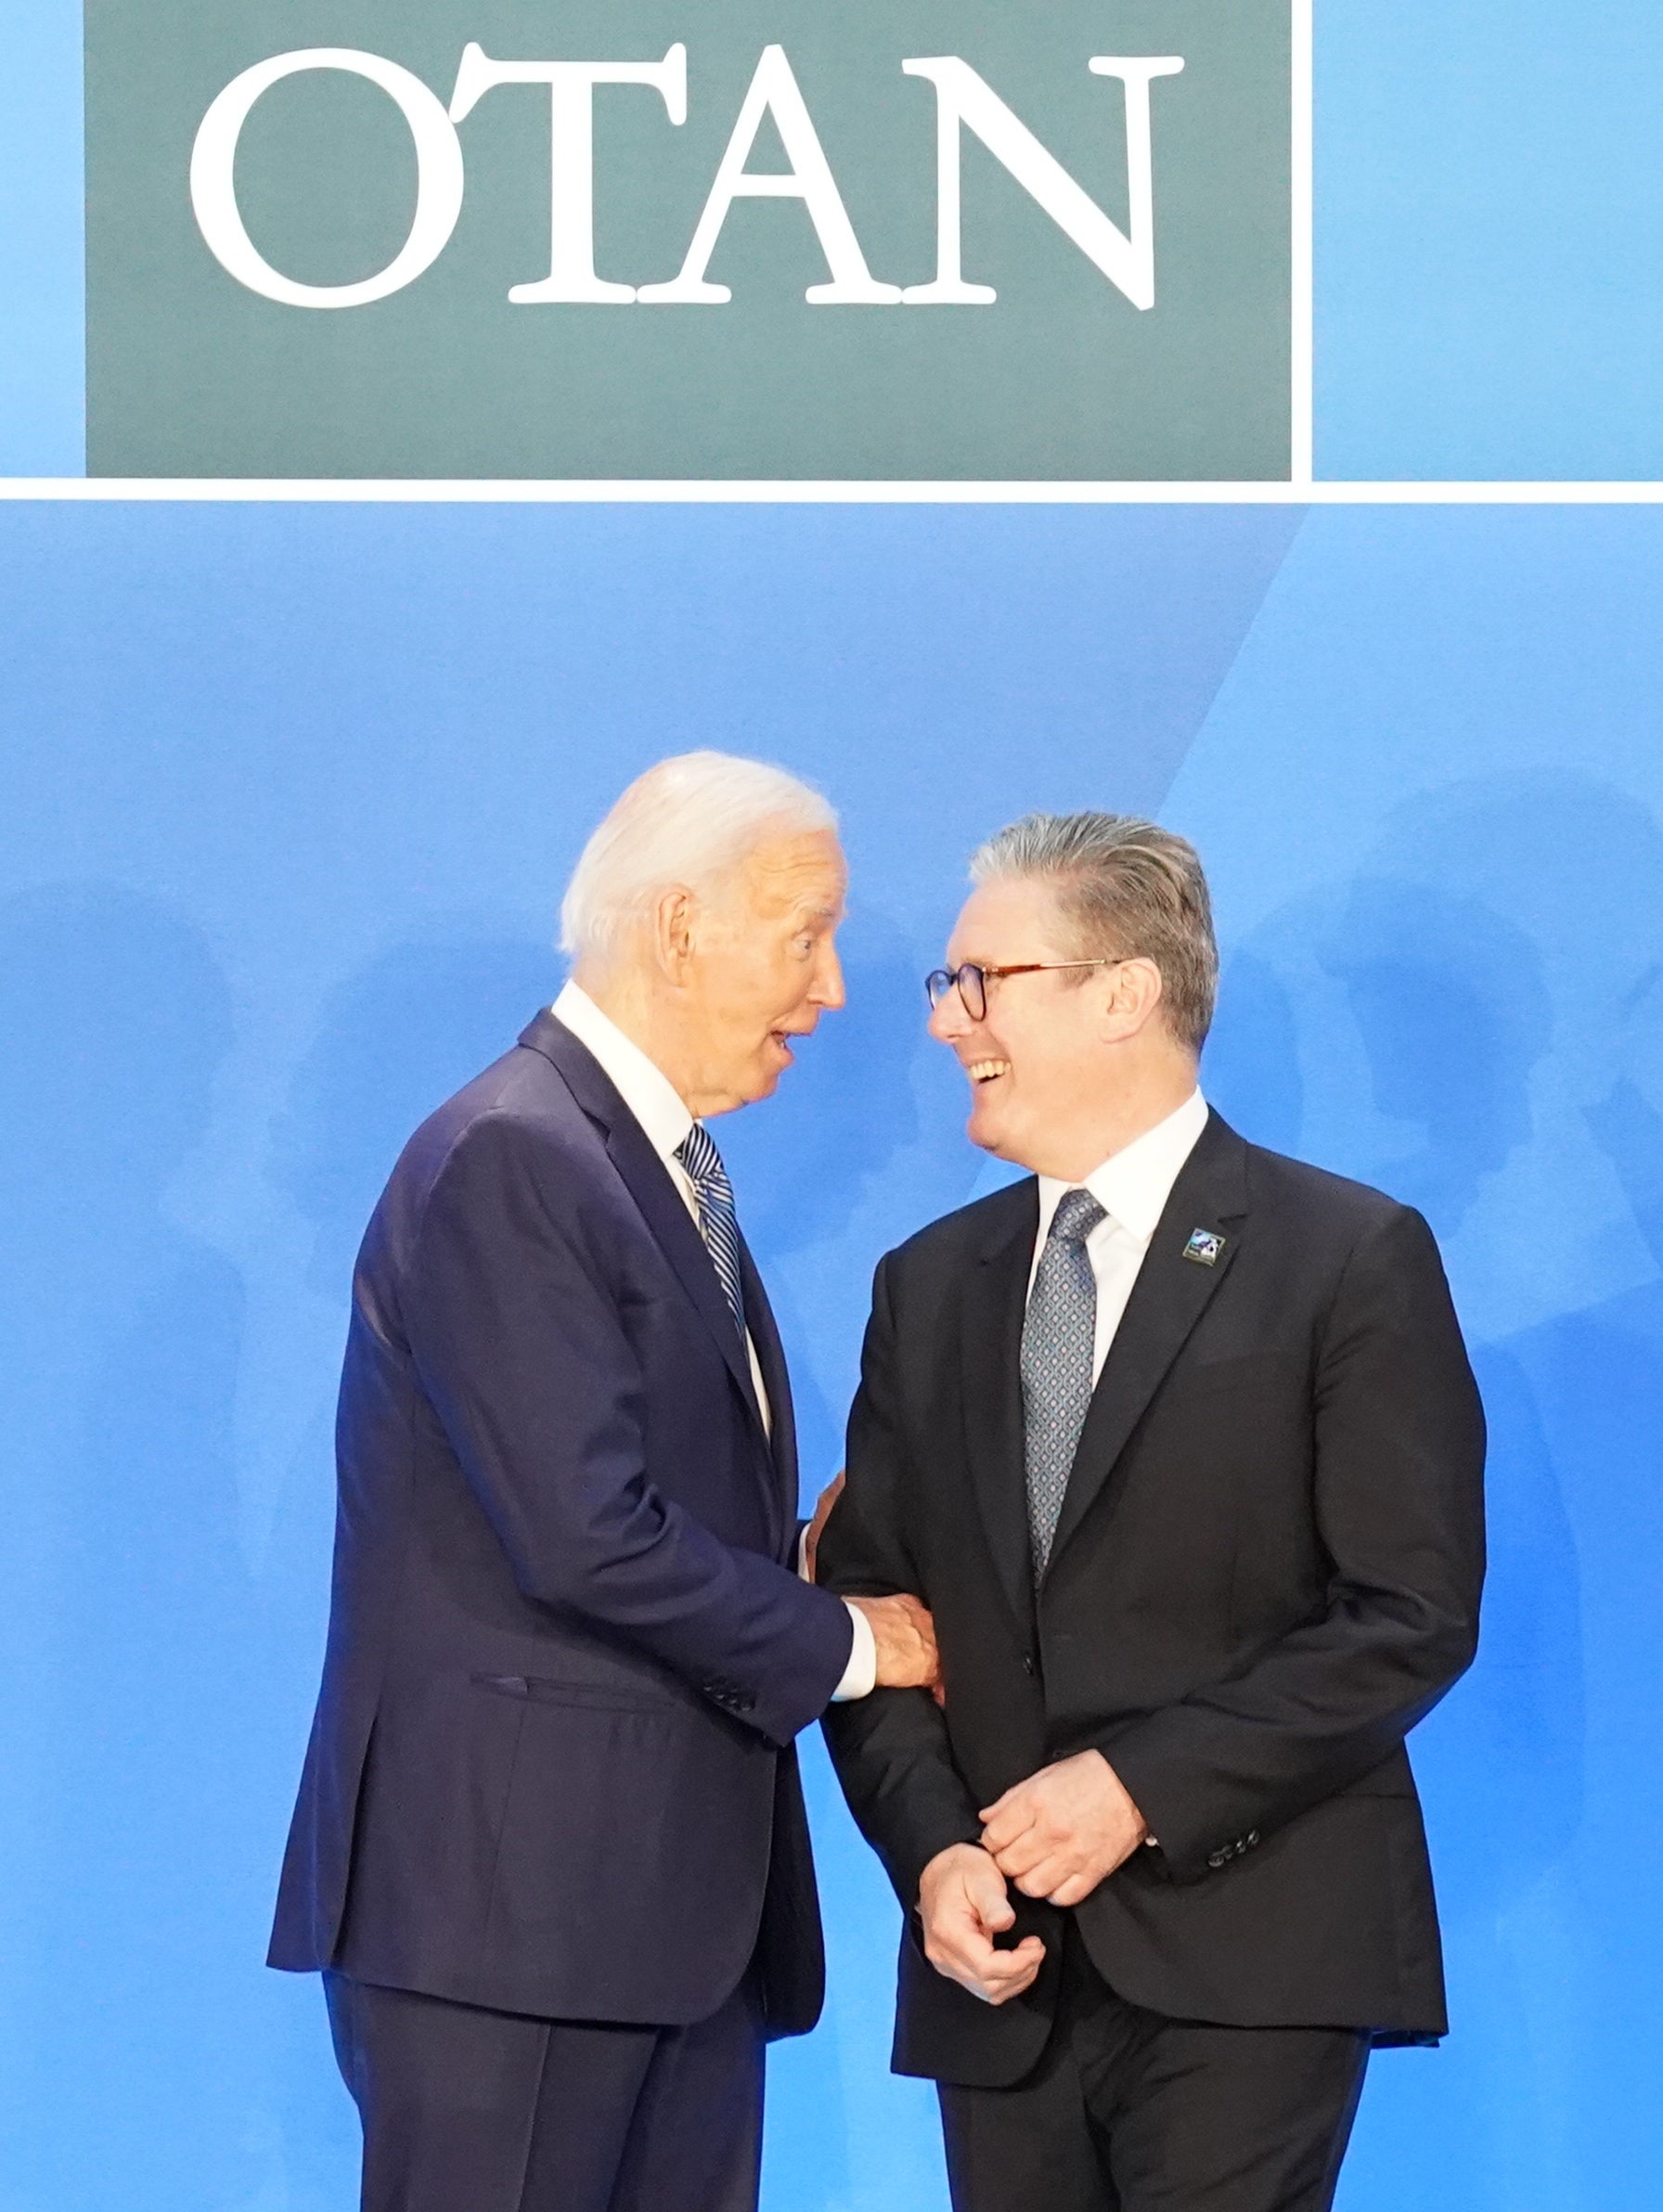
<point>964,101</point>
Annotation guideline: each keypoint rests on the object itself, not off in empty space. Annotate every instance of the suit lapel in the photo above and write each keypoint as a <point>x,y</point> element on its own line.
<point>995,1294</point>
<point>648,1182</point>
<point>1170,1296</point>
<point>776,1381</point>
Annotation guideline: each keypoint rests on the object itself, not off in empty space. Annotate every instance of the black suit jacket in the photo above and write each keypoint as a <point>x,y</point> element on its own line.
<point>1266,1571</point>
<point>552,1769</point>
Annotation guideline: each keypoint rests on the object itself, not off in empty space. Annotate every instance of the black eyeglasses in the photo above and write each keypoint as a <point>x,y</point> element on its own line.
<point>972,980</point>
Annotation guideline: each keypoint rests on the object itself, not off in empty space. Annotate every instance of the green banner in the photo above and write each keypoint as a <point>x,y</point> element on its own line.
<point>640,239</point>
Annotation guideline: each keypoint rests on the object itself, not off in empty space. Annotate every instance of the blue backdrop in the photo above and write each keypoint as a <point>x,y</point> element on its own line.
<point>292,795</point>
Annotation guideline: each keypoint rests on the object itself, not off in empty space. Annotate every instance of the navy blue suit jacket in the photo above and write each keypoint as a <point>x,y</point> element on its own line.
<point>552,1769</point>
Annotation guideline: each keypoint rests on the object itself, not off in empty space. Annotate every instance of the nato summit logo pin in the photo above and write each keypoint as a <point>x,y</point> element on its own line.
<point>1203,1247</point>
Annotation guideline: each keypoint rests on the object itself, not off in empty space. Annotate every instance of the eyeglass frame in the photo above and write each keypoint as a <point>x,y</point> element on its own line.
<point>951,978</point>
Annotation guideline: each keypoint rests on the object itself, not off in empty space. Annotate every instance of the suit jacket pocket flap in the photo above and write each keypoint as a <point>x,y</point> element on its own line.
<point>601,1697</point>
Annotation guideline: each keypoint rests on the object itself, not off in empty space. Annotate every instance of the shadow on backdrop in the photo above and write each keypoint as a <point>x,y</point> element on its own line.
<point>394,1041</point>
<point>1492,974</point>
<point>1450,1004</point>
<point>1582,868</point>
<point>1252,1060</point>
<point>135,1754</point>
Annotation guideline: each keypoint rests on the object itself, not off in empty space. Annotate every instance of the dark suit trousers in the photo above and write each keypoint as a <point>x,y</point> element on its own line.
<point>1130,2112</point>
<point>471,2111</point>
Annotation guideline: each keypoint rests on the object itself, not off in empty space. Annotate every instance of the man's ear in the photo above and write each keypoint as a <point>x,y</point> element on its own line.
<point>1135,992</point>
<point>673,932</point>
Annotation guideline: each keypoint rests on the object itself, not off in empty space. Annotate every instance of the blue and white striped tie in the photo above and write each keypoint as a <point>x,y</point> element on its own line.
<point>717,1220</point>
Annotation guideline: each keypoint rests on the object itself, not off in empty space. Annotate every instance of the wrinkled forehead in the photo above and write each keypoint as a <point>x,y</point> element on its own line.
<point>1001,923</point>
<point>802,874</point>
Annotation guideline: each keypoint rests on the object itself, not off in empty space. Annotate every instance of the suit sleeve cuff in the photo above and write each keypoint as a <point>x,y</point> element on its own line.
<point>860,1676</point>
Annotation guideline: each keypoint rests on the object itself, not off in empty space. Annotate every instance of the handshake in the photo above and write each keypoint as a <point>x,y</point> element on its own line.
<point>901,1626</point>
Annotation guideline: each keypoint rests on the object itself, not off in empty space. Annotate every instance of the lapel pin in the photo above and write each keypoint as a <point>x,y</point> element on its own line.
<point>1203,1247</point>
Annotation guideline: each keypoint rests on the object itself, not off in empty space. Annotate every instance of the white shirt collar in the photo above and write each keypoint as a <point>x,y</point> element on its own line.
<point>640,1081</point>
<point>1134,1184</point>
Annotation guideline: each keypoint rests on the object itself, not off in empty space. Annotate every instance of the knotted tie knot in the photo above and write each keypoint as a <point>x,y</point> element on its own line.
<point>718,1223</point>
<point>1077,1215</point>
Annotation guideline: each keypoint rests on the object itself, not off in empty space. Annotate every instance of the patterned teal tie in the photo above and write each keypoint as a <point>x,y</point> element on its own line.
<point>713,1193</point>
<point>1057,1343</point>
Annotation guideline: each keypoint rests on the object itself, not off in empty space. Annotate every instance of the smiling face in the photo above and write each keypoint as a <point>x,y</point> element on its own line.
<point>756,965</point>
<point>1035,1051</point>
<point>1063,1067</point>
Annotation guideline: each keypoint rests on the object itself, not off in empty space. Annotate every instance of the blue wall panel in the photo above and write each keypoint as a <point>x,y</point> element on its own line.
<point>292,795</point>
<point>1488,239</point>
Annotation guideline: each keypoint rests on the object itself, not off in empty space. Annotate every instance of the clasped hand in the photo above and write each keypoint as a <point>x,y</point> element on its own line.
<point>1056,1835</point>
<point>963,1904</point>
<point>1063,1829</point>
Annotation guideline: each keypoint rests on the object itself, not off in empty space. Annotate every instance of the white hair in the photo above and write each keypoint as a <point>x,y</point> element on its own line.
<point>686,823</point>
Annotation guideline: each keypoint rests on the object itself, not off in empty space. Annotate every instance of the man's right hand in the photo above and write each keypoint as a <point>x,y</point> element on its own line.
<point>904,1636</point>
<point>963,1903</point>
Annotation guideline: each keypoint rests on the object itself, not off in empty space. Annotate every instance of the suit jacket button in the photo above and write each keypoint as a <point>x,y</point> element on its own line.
<point>1216,1859</point>
<point>1252,1837</point>
<point>1027,1662</point>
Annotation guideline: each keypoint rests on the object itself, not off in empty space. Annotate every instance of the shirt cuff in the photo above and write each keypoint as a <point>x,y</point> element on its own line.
<point>860,1676</point>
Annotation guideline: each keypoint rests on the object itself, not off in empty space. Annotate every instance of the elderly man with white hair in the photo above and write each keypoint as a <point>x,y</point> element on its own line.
<point>551,1852</point>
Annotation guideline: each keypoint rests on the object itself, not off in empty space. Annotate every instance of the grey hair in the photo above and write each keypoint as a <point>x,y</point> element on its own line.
<point>686,823</point>
<point>1124,888</point>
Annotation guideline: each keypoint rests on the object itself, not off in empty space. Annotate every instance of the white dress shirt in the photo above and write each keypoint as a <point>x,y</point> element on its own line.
<point>1132,1186</point>
<point>663,1116</point>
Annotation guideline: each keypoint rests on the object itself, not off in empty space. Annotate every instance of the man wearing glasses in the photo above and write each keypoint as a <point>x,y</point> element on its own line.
<point>1178,1442</point>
